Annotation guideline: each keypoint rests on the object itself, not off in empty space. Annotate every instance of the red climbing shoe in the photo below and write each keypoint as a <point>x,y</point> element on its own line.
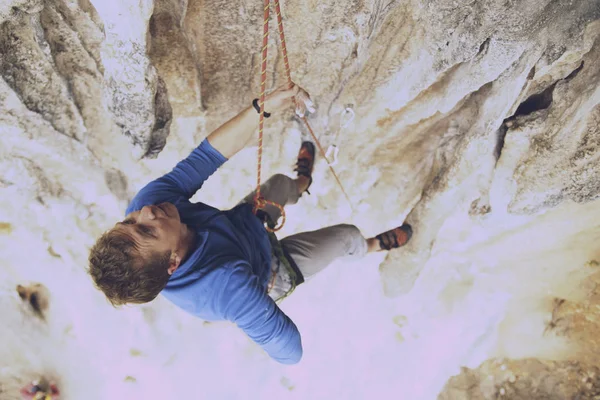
<point>40,391</point>
<point>306,161</point>
<point>395,238</point>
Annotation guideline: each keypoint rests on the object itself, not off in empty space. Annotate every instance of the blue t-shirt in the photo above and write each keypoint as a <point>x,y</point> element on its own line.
<point>225,276</point>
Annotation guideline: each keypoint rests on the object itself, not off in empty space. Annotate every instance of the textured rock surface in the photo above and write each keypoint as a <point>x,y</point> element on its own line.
<point>65,63</point>
<point>526,379</point>
<point>476,122</point>
<point>578,320</point>
<point>510,136</point>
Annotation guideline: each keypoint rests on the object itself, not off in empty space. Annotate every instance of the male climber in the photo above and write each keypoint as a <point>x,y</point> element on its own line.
<point>224,265</point>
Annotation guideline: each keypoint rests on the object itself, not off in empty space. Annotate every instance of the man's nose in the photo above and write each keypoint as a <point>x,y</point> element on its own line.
<point>147,213</point>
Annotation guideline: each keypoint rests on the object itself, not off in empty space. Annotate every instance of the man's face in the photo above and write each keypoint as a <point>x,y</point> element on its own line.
<point>154,229</point>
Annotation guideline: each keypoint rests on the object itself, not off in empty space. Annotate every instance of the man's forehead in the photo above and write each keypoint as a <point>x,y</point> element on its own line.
<point>128,232</point>
<point>140,249</point>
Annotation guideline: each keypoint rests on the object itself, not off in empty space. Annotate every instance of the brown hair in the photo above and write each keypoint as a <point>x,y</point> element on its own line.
<point>120,271</point>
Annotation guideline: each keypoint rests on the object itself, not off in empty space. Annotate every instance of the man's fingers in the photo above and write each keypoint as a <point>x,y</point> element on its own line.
<point>284,95</point>
<point>288,102</point>
<point>300,107</point>
<point>303,98</point>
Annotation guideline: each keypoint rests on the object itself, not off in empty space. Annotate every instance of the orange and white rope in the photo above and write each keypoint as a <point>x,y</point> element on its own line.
<point>259,201</point>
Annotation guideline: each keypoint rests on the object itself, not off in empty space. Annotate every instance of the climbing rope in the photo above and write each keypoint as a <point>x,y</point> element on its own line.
<point>259,201</point>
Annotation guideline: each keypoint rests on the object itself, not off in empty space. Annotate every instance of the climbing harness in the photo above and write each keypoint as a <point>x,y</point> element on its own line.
<point>288,280</point>
<point>259,201</point>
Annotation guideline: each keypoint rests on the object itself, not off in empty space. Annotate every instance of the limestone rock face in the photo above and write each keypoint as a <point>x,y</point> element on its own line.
<point>477,122</point>
<point>53,58</point>
<point>576,377</point>
<point>525,379</point>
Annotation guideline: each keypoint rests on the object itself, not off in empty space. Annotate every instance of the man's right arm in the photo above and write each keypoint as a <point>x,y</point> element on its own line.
<point>183,181</point>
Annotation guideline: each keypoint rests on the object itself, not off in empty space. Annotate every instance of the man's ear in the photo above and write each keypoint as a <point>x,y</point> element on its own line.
<point>174,262</point>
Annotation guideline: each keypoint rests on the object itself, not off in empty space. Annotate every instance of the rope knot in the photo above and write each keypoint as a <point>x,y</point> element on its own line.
<point>261,203</point>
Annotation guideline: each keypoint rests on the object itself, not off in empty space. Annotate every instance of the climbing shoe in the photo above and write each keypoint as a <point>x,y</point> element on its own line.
<point>395,238</point>
<point>306,161</point>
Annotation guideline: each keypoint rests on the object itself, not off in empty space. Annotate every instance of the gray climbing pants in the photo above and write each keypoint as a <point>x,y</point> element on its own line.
<point>311,251</point>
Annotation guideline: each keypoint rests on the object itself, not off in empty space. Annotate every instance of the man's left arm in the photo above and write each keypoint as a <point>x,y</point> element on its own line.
<point>242,300</point>
<point>189,174</point>
<point>238,132</point>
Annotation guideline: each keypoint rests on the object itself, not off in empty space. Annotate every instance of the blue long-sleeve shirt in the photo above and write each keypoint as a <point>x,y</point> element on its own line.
<point>225,276</point>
